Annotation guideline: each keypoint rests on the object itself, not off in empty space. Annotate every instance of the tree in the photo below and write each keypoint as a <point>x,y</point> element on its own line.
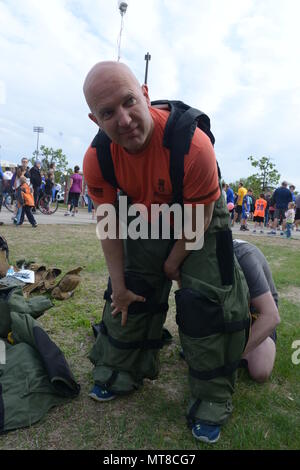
<point>48,156</point>
<point>267,176</point>
<point>251,182</point>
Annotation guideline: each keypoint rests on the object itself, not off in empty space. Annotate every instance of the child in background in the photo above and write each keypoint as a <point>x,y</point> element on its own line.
<point>259,212</point>
<point>290,217</point>
<point>26,196</point>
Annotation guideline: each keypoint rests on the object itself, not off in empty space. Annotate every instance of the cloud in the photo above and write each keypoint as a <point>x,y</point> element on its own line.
<point>235,60</point>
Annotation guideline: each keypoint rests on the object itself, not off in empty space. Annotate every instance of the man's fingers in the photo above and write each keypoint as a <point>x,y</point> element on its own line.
<point>124,317</point>
<point>138,298</point>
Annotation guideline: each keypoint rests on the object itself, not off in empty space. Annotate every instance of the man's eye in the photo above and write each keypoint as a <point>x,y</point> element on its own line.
<point>106,114</point>
<point>131,101</point>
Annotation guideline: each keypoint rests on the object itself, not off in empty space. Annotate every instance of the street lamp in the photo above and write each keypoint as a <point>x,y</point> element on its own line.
<point>38,130</point>
<point>147,59</point>
<point>123,8</point>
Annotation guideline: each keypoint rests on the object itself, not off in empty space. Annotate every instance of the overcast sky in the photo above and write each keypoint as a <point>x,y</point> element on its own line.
<point>237,60</point>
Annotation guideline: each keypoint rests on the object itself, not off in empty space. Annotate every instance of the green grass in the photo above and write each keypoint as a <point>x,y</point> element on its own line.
<point>266,416</point>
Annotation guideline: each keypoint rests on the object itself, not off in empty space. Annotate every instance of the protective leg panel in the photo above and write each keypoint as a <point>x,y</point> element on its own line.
<point>124,356</point>
<point>213,320</point>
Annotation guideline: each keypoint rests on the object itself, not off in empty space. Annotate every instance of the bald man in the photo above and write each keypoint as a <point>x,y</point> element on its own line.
<point>141,271</point>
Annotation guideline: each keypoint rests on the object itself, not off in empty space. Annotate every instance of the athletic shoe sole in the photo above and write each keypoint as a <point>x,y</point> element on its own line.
<point>205,439</point>
<point>95,397</point>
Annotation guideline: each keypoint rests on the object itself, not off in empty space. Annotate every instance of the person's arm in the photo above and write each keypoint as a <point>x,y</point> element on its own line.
<point>179,253</point>
<point>114,257</point>
<point>266,322</point>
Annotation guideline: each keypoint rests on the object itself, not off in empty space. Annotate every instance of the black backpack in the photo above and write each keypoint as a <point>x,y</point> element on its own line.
<point>178,134</point>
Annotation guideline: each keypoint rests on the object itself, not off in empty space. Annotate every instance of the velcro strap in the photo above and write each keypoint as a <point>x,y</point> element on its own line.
<point>107,385</point>
<point>212,374</point>
<point>144,345</point>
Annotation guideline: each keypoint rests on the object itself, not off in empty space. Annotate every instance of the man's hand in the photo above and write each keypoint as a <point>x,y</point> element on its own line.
<point>121,302</point>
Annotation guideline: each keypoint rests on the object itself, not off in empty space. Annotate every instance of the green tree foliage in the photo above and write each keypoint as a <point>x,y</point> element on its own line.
<point>267,175</point>
<point>47,156</point>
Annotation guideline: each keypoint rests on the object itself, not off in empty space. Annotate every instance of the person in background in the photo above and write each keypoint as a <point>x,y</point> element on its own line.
<point>1,187</point>
<point>246,210</point>
<point>230,202</point>
<point>282,196</point>
<point>297,215</point>
<point>75,192</point>
<point>290,217</point>
<point>27,201</point>
<point>239,206</point>
<point>224,192</point>
<point>292,189</point>
<point>36,181</point>
<point>259,212</point>
<point>52,168</point>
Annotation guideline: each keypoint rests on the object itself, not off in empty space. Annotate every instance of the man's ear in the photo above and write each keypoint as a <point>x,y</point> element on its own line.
<point>146,94</point>
<point>93,118</point>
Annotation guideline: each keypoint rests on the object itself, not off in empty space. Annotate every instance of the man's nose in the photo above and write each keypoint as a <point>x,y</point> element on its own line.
<point>124,118</point>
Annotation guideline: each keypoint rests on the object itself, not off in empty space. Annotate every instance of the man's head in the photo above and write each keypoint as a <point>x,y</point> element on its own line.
<point>241,184</point>
<point>119,105</point>
<point>76,169</point>
<point>24,162</point>
<point>292,188</point>
<point>38,164</point>
<point>284,184</point>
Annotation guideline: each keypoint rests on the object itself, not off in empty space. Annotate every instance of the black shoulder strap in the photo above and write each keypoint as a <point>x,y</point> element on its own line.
<point>102,145</point>
<point>178,134</point>
<point>179,131</point>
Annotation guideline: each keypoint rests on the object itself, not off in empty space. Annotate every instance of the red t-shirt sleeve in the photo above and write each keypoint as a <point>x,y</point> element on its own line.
<point>201,182</point>
<point>99,190</point>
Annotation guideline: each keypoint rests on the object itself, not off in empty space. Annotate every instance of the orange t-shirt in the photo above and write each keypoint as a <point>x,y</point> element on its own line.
<point>145,177</point>
<point>260,207</point>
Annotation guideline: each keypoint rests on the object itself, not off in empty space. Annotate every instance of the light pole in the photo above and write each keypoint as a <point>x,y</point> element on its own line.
<point>123,8</point>
<point>147,59</point>
<point>38,130</point>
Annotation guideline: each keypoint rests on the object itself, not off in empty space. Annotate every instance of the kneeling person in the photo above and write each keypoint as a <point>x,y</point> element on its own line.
<point>259,354</point>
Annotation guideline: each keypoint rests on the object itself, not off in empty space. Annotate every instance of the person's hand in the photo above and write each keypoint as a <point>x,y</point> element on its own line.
<point>121,302</point>
<point>172,271</point>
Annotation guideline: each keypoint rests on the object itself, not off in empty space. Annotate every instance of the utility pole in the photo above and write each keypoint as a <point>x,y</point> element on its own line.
<point>147,59</point>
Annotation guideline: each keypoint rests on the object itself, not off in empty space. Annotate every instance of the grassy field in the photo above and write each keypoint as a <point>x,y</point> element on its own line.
<point>265,416</point>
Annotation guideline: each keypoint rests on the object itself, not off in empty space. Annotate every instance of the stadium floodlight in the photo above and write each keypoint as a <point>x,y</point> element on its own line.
<point>39,130</point>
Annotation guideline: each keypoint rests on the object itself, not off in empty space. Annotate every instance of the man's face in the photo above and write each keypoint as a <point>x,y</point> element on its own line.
<point>24,162</point>
<point>120,108</point>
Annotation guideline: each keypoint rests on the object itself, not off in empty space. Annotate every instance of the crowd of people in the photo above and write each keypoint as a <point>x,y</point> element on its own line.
<point>277,211</point>
<point>26,185</point>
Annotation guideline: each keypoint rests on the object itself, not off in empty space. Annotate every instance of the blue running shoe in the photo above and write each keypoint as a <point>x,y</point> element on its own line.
<point>98,394</point>
<point>206,433</point>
